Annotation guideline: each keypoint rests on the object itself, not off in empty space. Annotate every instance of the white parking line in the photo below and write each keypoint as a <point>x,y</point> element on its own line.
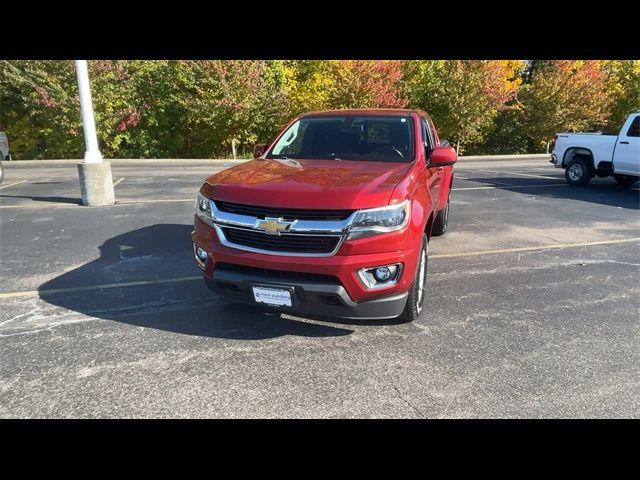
<point>117,182</point>
<point>12,184</point>
<point>509,187</point>
<point>34,293</point>
<point>547,177</point>
<point>538,247</point>
<point>118,203</point>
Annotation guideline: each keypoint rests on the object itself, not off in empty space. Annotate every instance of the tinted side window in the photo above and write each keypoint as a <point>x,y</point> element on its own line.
<point>634,129</point>
<point>426,133</point>
<point>432,127</point>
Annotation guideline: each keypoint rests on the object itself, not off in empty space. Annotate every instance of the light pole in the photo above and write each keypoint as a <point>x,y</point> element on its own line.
<point>96,182</point>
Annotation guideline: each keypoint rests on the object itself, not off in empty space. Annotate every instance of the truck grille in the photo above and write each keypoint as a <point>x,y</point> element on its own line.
<point>285,213</point>
<point>306,244</point>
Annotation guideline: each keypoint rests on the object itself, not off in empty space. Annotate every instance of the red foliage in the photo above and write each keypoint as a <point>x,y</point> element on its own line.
<point>131,119</point>
<point>43,98</point>
<point>370,83</point>
<point>494,83</point>
<point>237,80</point>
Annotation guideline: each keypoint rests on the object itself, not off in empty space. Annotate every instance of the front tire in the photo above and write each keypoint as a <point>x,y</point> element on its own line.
<point>579,172</point>
<point>625,180</point>
<point>417,292</point>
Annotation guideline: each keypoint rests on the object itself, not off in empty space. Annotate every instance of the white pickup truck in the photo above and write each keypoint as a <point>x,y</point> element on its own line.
<point>584,155</point>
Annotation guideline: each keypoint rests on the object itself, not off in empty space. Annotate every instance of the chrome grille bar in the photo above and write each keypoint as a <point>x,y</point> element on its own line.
<point>300,226</point>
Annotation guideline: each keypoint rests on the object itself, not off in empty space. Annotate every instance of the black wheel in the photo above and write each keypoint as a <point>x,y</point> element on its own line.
<point>417,292</point>
<point>579,171</point>
<point>441,221</point>
<point>625,179</point>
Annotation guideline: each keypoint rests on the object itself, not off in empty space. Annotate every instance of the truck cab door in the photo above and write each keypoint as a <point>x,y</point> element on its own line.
<point>434,174</point>
<point>626,158</point>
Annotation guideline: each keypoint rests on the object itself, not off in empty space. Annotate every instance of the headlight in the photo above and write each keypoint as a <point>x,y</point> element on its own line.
<point>374,221</point>
<point>203,209</point>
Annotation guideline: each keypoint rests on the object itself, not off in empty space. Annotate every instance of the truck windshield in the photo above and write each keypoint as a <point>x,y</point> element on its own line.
<point>348,137</point>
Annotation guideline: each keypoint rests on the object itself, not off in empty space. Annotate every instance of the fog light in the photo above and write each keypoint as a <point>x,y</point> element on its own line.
<point>382,274</point>
<point>201,256</point>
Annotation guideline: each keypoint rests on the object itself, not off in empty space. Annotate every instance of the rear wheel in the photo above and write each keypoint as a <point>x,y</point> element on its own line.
<point>625,179</point>
<point>579,171</point>
<point>442,220</point>
<point>417,292</point>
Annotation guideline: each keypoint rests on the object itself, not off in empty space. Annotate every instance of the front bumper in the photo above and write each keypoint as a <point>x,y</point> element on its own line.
<point>308,298</point>
<point>387,249</point>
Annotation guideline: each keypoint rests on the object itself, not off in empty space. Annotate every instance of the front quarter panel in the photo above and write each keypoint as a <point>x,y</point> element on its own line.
<point>414,186</point>
<point>447,181</point>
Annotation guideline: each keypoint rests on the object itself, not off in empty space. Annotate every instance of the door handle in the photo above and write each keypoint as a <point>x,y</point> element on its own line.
<point>625,143</point>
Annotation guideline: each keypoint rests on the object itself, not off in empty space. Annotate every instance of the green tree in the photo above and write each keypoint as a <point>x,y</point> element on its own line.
<point>40,108</point>
<point>307,83</point>
<point>237,101</point>
<point>623,83</point>
<point>146,108</point>
<point>335,84</point>
<point>463,97</point>
<point>562,95</point>
<point>366,84</point>
<point>182,109</point>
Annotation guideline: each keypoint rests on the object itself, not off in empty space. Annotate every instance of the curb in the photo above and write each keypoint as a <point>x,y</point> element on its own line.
<point>157,162</point>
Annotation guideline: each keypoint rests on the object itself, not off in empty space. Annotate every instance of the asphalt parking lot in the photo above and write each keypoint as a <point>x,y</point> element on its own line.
<point>533,309</point>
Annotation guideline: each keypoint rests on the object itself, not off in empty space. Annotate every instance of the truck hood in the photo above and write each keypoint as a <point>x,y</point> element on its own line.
<point>327,184</point>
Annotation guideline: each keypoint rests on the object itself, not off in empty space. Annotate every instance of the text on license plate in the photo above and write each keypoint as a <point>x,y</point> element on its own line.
<point>272,296</point>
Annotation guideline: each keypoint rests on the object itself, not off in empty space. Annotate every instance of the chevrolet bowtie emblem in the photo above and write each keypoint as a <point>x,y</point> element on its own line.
<point>273,226</point>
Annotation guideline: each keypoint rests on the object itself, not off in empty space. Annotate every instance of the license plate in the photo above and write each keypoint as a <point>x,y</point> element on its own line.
<point>272,296</point>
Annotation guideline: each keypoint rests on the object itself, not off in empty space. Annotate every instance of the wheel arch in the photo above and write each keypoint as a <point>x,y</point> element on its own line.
<point>572,152</point>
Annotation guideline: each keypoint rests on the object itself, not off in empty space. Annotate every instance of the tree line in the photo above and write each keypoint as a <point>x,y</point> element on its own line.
<point>207,109</point>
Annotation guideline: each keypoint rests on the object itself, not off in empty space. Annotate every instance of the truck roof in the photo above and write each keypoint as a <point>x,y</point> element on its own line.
<point>400,112</point>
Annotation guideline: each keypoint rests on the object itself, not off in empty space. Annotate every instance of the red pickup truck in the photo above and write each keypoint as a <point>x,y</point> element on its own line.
<point>332,219</point>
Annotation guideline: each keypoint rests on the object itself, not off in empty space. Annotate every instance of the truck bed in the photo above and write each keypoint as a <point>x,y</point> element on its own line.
<point>600,145</point>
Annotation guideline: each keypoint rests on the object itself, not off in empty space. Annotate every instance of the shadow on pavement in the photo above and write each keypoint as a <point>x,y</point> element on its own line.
<point>602,192</point>
<point>74,201</point>
<point>161,254</point>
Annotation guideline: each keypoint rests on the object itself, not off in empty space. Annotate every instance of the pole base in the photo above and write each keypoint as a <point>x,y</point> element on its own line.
<point>96,184</point>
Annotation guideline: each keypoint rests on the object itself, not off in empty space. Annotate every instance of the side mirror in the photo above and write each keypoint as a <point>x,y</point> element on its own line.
<point>259,149</point>
<point>445,143</point>
<point>443,156</point>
